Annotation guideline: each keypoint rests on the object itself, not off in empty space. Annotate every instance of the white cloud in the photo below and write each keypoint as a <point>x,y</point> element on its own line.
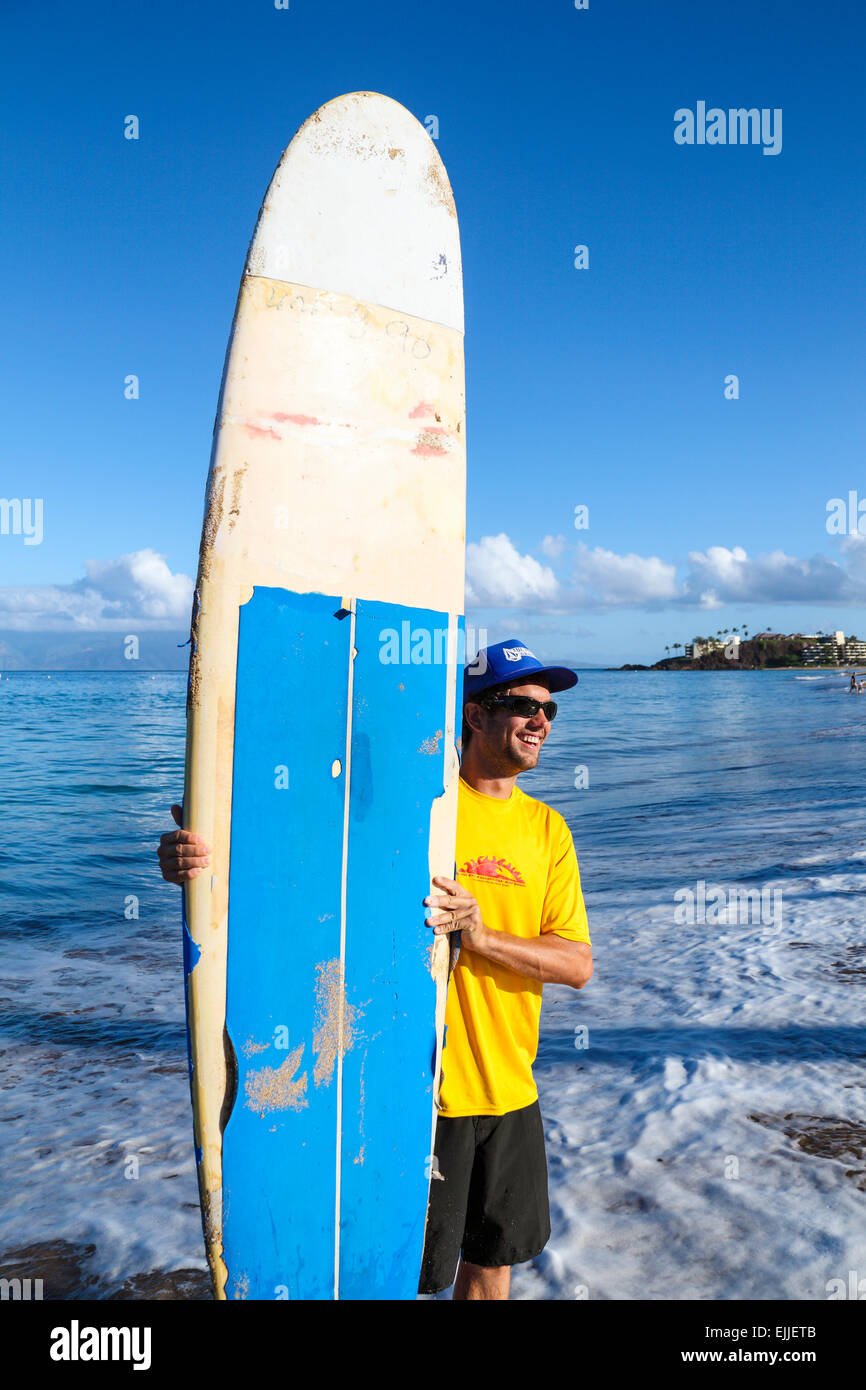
<point>720,576</point>
<point>137,588</point>
<point>143,583</point>
<point>602,580</point>
<point>498,576</point>
<point>552,546</point>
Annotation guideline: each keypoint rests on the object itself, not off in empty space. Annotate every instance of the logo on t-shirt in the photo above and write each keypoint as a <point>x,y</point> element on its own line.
<point>499,870</point>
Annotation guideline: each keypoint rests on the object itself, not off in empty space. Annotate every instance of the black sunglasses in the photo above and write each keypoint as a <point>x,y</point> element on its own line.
<point>524,705</point>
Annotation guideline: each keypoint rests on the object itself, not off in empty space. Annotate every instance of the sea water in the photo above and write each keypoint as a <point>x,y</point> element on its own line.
<point>704,1096</point>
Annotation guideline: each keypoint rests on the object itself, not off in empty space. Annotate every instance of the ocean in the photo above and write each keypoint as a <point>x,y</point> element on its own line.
<point>704,1097</point>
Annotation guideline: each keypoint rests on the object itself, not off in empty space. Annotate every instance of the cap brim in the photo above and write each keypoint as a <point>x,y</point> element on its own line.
<point>556,678</point>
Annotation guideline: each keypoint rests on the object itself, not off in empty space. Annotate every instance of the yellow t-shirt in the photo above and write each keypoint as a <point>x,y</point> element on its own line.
<point>517,859</point>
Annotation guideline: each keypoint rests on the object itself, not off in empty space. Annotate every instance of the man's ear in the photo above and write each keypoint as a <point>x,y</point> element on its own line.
<point>472,715</point>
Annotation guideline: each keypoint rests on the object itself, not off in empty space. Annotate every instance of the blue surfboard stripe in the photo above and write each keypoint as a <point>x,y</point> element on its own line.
<point>397,771</point>
<point>279,1147</point>
<point>284,923</point>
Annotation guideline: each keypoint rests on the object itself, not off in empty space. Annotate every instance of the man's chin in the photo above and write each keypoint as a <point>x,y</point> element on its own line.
<point>524,756</point>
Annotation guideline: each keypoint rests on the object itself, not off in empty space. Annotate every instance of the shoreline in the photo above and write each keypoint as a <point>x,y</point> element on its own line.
<point>733,667</point>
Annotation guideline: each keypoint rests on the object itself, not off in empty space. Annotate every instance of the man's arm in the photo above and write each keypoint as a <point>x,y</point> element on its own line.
<point>550,958</point>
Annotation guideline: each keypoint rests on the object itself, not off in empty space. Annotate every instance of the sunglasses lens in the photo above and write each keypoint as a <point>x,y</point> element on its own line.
<point>527,707</point>
<point>523,705</point>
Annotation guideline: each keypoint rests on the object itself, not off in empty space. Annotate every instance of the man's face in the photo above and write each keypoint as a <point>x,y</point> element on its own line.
<point>511,742</point>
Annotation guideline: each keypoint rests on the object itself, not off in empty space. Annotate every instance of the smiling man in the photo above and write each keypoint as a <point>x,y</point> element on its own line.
<point>518,905</point>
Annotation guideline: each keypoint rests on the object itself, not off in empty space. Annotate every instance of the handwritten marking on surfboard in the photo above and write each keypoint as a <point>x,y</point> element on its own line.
<point>277,1088</point>
<point>399,329</point>
<point>326,302</point>
<point>336,1021</point>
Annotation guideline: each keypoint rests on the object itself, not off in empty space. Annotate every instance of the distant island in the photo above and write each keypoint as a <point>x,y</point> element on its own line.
<point>733,649</point>
<point>159,650</point>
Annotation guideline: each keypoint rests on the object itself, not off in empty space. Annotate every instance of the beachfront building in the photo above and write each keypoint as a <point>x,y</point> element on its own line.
<point>706,644</point>
<point>825,647</point>
<point>711,644</point>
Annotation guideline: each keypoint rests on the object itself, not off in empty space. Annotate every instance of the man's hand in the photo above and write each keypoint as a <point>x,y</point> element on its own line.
<point>550,958</point>
<point>182,854</point>
<point>456,910</point>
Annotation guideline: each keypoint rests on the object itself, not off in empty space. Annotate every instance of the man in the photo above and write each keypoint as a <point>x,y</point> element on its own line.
<point>518,906</point>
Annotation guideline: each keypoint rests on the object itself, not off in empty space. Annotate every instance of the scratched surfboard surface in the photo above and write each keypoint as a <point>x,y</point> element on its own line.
<point>321,767</point>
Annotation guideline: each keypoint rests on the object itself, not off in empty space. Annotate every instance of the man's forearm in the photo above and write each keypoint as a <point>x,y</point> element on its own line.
<point>551,958</point>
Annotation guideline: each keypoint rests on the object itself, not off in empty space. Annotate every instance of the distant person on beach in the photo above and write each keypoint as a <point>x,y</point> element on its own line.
<point>853,686</point>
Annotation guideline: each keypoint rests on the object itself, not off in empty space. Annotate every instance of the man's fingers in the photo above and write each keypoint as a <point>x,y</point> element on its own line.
<point>451,920</point>
<point>175,875</point>
<point>461,900</point>
<point>182,861</point>
<point>444,928</point>
<point>184,837</point>
<point>457,914</point>
<point>455,909</point>
<point>182,854</point>
<point>188,855</point>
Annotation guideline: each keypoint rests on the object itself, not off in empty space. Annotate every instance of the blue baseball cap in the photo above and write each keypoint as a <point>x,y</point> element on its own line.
<point>512,661</point>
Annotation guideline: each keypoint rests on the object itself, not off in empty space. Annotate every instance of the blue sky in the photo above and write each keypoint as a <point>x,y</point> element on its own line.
<point>602,387</point>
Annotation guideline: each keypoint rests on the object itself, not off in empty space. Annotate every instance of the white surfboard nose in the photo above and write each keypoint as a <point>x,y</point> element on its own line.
<point>360,204</point>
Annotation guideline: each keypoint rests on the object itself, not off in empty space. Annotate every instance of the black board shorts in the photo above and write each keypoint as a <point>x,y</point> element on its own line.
<point>490,1204</point>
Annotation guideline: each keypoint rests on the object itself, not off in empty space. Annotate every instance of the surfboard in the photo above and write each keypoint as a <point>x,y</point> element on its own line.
<point>321,764</point>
